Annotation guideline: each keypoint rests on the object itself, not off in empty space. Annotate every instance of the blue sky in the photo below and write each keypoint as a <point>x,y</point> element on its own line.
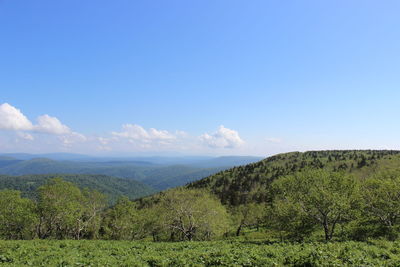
<point>198,77</point>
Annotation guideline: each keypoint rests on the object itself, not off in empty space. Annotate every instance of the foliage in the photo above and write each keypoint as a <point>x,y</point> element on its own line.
<point>121,222</point>
<point>192,214</point>
<point>66,212</point>
<point>327,198</point>
<point>215,253</point>
<point>60,209</point>
<point>306,204</point>
<point>381,195</point>
<point>248,215</point>
<point>18,217</point>
<point>288,221</point>
<point>113,187</point>
<point>252,182</point>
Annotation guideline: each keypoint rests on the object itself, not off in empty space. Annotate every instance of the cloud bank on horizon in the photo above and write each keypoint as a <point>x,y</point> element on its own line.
<point>50,134</point>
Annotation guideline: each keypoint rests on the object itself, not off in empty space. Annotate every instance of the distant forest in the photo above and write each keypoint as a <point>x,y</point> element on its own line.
<point>157,173</point>
<point>317,195</point>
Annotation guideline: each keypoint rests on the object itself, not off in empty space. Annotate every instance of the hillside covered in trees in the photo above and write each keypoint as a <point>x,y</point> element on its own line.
<point>112,187</point>
<point>251,183</point>
<point>324,195</point>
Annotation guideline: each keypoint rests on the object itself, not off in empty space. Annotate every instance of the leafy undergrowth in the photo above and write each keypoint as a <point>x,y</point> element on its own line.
<point>217,253</point>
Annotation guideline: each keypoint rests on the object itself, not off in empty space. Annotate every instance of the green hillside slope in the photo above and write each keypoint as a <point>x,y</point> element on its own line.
<point>175,175</point>
<point>111,186</point>
<point>250,183</point>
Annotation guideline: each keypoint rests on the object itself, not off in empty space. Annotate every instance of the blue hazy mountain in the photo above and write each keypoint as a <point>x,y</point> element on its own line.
<point>157,172</point>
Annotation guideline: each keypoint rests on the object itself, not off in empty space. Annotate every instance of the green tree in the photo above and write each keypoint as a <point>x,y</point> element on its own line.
<point>327,198</point>
<point>61,210</point>
<point>18,216</point>
<point>151,223</point>
<point>381,195</point>
<point>193,214</point>
<point>94,203</point>
<point>248,215</point>
<point>122,221</point>
<point>287,219</point>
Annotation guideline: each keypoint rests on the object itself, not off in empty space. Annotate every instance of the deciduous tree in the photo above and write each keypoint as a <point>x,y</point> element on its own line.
<point>327,198</point>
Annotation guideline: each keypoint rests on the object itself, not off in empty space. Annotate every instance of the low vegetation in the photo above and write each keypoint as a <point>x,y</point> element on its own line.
<point>209,253</point>
<point>308,215</point>
<point>317,203</point>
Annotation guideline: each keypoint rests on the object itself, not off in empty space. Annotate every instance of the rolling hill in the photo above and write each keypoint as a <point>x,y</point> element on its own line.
<point>250,183</point>
<point>147,170</point>
<point>111,186</point>
<point>176,175</point>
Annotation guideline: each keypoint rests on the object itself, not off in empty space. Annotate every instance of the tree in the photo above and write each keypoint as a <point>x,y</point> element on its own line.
<point>191,214</point>
<point>122,221</point>
<point>94,203</point>
<point>248,215</point>
<point>18,216</point>
<point>61,209</point>
<point>381,195</point>
<point>151,223</point>
<point>287,219</point>
<point>327,198</point>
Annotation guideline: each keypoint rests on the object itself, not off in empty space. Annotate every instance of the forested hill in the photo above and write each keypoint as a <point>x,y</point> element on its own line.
<point>157,173</point>
<point>112,187</point>
<point>250,183</point>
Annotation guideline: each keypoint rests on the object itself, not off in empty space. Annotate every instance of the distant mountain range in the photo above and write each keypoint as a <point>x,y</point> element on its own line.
<point>112,187</point>
<point>159,173</point>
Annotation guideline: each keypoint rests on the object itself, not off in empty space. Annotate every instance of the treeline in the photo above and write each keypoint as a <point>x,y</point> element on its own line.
<point>251,183</point>
<point>113,187</point>
<point>63,211</point>
<point>307,205</point>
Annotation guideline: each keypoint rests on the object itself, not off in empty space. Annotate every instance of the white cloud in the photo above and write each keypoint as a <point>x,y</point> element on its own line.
<point>12,118</point>
<point>223,138</point>
<point>51,125</point>
<point>134,132</point>
<point>50,134</point>
<point>160,134</point>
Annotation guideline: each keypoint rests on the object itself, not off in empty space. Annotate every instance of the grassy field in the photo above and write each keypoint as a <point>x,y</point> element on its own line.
<point>217,253</point>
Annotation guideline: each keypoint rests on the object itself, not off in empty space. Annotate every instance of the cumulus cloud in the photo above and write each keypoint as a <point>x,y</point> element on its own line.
<point>50,133</point>
<point>12,118</point>
<point>51,125</point>
<point>223,138</point>
<point>134,132</point>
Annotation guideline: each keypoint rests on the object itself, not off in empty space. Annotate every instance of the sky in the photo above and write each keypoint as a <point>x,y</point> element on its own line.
<point>207,77</point>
